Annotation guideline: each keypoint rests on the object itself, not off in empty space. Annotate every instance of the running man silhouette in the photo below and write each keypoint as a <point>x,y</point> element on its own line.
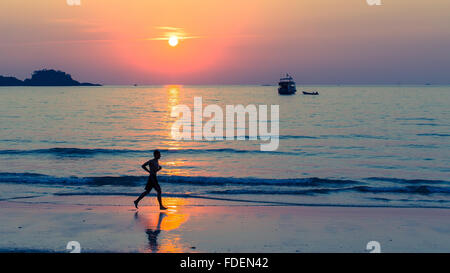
<point>153,168</point>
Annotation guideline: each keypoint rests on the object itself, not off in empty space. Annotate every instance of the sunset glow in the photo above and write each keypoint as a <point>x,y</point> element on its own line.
<point>226,42</point>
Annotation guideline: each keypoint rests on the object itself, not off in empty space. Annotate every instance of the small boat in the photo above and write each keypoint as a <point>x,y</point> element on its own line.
<point>287,86</point>
<point>311,93</point>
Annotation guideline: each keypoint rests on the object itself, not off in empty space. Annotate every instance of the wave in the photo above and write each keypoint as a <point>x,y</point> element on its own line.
<point>352,136</point>
<point>98,151</point>
<point>434,134</point>
<point>297,137</point>
<point>248,185</point>
<point>35,178</point>
<point>418,190</point>
<point>408,181</point>
<point>422,190</point>
<point>409,200</point>
<point>417,118</point>
<point>426,124</point>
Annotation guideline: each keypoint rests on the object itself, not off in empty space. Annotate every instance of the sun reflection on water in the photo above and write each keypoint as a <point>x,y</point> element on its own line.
<point>159,226</point>
<point>173,94</point>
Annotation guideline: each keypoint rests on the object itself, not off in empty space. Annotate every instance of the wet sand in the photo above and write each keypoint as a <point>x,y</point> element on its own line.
<point>214,226</point>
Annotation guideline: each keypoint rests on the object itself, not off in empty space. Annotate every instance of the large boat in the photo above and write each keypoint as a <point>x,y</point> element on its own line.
<point>287,86</point>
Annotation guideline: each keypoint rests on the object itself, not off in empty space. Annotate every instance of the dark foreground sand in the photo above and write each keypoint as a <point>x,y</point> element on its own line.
<point>212,226</point>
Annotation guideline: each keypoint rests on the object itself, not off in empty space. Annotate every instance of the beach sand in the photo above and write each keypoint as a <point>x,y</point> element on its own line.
<point>109,224</point>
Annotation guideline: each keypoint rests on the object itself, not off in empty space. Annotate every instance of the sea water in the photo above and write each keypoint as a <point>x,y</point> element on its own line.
<point>349,146</point>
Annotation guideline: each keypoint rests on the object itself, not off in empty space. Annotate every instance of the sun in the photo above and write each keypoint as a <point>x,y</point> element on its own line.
<point>173,41</point>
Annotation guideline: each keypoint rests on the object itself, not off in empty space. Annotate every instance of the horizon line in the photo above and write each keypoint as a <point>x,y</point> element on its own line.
<point>248,84</point>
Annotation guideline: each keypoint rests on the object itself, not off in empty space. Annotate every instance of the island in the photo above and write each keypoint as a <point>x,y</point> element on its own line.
<point>45,77</point>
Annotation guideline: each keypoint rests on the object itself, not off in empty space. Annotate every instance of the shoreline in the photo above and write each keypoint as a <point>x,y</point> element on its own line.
<point>223,201</point>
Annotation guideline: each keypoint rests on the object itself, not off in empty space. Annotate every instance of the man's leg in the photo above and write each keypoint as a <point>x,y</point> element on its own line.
<point>158,191</point>
<point>136,202</point>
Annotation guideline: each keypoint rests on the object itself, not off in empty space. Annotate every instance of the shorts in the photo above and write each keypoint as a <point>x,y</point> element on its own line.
<point>152,183</point>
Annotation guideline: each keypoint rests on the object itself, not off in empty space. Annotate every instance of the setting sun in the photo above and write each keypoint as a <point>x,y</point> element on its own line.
<point>173,40</point>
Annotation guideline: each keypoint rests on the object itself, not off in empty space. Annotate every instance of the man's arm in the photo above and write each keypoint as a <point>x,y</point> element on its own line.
<point>144,166</point>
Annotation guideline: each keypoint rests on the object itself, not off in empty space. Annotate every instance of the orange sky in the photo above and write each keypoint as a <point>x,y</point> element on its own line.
<point>251,41</point>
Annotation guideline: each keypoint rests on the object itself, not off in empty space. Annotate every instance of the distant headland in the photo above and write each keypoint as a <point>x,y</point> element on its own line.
<point>45,77</point>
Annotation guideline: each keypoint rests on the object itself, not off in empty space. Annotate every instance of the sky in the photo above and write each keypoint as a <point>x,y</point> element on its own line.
<point>229,42</point>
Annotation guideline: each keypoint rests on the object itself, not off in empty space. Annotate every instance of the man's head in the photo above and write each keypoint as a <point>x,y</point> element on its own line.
<point>156,154</point>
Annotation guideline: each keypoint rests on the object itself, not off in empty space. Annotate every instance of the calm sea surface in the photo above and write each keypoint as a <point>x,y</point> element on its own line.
<point>351,145</point>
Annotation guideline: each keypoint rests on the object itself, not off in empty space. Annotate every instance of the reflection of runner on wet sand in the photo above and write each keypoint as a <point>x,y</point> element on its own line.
<point>152,234</point>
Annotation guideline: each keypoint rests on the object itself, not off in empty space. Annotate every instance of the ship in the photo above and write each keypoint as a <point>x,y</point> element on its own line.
<point>287,86</point>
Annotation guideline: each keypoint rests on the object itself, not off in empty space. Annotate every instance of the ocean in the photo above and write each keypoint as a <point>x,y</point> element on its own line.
<point>368,145</point>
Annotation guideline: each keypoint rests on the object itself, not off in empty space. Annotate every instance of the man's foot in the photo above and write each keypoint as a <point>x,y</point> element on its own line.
<point>162,208</point>
<point>135,203</point>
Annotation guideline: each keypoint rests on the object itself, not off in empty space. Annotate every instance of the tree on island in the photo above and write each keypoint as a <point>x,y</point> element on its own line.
<point>47,77</point>
<point>10,81</point>
<point>44,77</point>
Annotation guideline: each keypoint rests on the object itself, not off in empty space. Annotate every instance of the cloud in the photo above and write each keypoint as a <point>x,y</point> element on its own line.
<point>170,28</point>
<point>172,31</point>
<point>82,25</point>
